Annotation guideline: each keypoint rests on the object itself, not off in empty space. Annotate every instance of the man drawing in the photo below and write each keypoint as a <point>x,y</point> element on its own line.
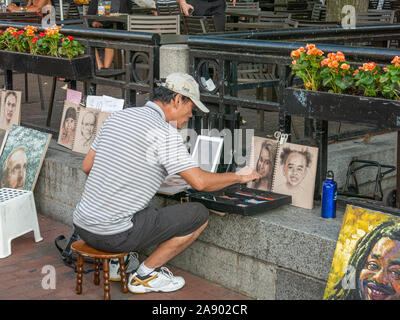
<point>14,169</point>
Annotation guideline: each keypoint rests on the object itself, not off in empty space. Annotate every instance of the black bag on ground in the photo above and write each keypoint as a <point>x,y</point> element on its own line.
<point>69,257</point>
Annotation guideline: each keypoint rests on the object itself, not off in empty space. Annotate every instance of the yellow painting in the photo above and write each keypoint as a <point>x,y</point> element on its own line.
<point>366,263</point>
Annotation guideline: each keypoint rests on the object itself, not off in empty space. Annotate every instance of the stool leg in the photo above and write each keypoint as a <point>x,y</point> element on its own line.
<point>79,276</point>
<point>122,269</point>
<point>96,272</point>
<point>106,272</point>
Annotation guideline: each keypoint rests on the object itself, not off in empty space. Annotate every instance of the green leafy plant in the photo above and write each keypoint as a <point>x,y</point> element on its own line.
<point>336,73</point>
<point>46,43</point>
<point>70,48</point>
<point>390,81</point>
<point>368,78</point>
<point>306,65</point>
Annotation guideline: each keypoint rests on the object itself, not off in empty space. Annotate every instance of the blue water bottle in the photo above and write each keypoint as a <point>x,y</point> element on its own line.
<point>329,195</point>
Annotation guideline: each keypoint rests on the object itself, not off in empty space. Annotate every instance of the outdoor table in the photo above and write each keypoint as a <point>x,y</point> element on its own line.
<point>22,16</point>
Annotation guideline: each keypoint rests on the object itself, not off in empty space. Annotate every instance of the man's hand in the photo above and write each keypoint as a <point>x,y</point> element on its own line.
<point>97,24</point>
<point>185,7</point>
<point>248,174</point>
<point>233,2</point>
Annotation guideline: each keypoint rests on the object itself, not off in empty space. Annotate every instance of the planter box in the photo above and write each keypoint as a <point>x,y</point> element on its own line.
<point>379,113</point>
<point>79,68</point>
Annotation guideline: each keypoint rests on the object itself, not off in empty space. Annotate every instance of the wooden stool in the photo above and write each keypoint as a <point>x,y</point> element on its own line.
<point>84,250</point>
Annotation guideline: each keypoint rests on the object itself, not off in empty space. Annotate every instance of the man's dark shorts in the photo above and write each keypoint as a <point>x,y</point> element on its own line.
<point>151,226</point>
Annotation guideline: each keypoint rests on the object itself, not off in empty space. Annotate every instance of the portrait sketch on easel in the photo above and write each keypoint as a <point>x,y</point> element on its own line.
<point>68,124</point>
<point>10,112</point>
<point>262,159</point>
<point>86,129</point>
<point>295,171</point>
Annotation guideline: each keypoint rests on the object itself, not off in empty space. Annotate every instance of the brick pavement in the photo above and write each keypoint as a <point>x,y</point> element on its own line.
<point>21,274</point>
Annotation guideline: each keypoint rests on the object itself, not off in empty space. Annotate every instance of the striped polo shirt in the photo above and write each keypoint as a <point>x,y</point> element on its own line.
<point>135,150</point>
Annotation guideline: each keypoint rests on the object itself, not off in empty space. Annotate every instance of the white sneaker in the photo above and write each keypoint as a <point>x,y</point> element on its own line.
<point>131,263</point>
<point>160,280</point>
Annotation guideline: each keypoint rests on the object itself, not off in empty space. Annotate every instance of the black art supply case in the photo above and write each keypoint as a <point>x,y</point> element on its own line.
<point>240,200</point>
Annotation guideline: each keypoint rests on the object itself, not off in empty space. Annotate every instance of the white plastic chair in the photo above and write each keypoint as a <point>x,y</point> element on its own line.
<point>17,217</point>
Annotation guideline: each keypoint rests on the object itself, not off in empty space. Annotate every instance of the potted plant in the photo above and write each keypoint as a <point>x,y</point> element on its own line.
<point>334,91</point>
<point>47,53</point>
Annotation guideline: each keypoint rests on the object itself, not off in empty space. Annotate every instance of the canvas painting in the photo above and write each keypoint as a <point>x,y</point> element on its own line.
<point>89,124</point>
<point>294,173</point>
<point>366,262</point>
<point>10,112</point>
<point>262,159</point>
<point>3,139</point>
<point>22,157</point>
<point>68,124</point>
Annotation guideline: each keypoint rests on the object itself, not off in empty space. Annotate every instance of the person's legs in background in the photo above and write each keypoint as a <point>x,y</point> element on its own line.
<point>108,57</point>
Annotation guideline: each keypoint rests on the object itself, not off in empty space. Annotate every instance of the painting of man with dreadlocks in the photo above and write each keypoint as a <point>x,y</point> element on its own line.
<point>366,264</point>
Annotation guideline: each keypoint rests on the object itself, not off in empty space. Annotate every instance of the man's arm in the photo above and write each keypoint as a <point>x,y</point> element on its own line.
<point>38,7</point>
<point>87,163</point>
<point>207,181</point>
<point>185,7</point>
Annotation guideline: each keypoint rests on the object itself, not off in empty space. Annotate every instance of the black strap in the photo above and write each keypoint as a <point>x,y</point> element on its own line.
<point>66,253</point>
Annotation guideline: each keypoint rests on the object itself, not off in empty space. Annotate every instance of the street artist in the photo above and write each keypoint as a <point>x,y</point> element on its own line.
<point>128,161</point>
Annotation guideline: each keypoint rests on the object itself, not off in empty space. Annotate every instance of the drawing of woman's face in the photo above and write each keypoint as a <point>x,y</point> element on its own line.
<point>69,125</point>
<point>295,168</point>
<point>264,163</point>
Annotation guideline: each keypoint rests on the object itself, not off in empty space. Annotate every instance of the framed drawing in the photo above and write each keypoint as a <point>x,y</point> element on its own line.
<point>22,157</point>
<point>10,112</point>
<point>366,262</point>
<point>68,124</point>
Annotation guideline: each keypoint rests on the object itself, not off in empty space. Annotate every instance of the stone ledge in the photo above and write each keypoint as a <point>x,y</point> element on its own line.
<point>281,254</point>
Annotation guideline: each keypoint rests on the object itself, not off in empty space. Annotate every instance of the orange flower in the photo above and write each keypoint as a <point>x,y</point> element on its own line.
<point>11,30</point>
<point>325,62</point>
<point>310,46</point>
<point>396,59</point>
<point>333,64</point>
<point>314,52</point>
<point>294,62</point>
<point>345,66</point>
<point>355,72</point>
<point>30,33</point>
<point>369,66</point>
<point>295,54</point>
<point>32,28</point>
<point>301,49</point>
<point>308,84</point>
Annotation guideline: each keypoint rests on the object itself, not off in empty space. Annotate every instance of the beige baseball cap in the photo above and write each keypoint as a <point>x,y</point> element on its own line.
<point>185,85</point>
